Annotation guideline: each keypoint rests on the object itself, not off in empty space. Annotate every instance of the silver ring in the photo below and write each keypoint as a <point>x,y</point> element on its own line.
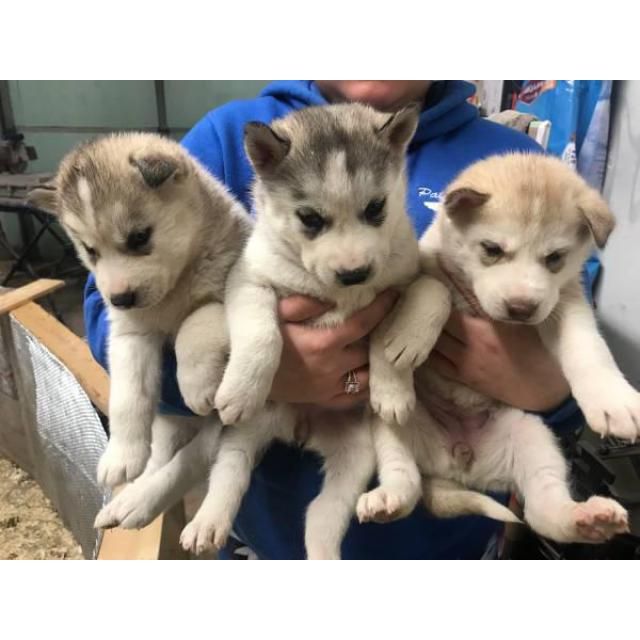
<point>351,384</point>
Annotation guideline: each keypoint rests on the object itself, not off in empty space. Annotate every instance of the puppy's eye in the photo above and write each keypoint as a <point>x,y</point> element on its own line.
<point>91,252</point>
<point>374,212</point>
<point>138,239</point>
<point>492,250</point>
<point>555,261</point>
<point>313,222</point>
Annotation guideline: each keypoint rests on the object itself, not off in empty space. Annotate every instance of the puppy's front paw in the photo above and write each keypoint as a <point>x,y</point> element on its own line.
<point>392,400</point>
<point>122,462</point>
<point>237,402</point>
<point>383,504</point>
<point>198,386</point>
<point>132,508</point>
<point>204,534</point>
<point>599,519</point>
<point>612,409</point>
<point>408,347</point>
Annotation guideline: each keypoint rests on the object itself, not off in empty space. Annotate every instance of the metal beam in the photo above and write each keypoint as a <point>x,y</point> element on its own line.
<point>7,121</point>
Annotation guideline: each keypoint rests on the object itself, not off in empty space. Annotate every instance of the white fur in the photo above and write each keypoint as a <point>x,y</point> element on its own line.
<point>279,261</point>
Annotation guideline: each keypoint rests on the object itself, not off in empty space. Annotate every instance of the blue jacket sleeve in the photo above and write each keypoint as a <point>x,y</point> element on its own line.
<point>96,321</point>
<point>567,417</point>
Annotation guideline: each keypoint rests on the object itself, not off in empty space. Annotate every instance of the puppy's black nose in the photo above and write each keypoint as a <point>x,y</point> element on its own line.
<point>124,300</point>
<point>521,309</point>
<point>357,276</point>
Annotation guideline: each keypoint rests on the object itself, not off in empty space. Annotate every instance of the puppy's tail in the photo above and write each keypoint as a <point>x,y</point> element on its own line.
<point>447,499</point>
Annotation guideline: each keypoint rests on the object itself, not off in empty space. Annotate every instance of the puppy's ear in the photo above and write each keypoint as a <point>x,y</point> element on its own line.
<point>597,215</point>
<point>265,148</point>
<point>45,197</point>
<point>157,168</point>
<point>400,128</point>
<point>462,202</point>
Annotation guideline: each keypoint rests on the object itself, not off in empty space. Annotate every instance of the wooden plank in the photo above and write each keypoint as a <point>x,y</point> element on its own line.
<point>69,349</point>
<point>173,522</point>
<point>141,544</point>
<point>17,297</point>
<point>159,540</point>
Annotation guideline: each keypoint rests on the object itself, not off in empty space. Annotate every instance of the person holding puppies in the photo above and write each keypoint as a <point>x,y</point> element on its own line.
<point>327,368</point>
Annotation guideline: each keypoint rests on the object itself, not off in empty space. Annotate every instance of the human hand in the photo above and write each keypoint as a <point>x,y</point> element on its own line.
<point>315,361</point>
<point>507,362</point>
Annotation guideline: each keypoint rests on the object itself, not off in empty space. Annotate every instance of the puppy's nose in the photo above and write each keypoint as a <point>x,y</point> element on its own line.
<point>521,309</point>
<point>356,276</point>
<point>124,300</point>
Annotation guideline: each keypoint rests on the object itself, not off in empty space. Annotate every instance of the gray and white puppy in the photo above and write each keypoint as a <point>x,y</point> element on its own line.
<point>331,223</point>
<point>509,240</point>
<point>160,234</point>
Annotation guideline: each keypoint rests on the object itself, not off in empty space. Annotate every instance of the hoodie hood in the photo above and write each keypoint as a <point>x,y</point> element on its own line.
<point>445,109</point>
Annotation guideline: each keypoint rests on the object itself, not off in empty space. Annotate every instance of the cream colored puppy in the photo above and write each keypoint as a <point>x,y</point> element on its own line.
<point>509,241</point>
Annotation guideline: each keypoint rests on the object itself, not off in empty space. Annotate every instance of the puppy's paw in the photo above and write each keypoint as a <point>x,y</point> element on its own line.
<point>408,347</point>
<point>384,504</point>
<point>393,401</point>
<point>237,402</point>
<point>132,508</point>
<point>204,534</point>
<point>599,519</point>
<point>198,386</point>
<point>612,409</point>
<point>122,462</point>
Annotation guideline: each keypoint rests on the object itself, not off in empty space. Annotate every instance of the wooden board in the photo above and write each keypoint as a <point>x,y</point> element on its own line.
<point>69,349</point>
<point>142,544</point>
<point>15,298</point>
<point>157,541</point>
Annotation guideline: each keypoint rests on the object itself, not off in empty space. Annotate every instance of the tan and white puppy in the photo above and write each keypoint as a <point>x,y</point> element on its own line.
<point>330,223</point>
<point>510,240</point>
<point>160,234</point>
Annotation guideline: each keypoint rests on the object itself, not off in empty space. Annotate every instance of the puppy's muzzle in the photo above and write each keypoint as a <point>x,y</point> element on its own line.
<point>521,309</point>
<point>356,276</point>
<point>124,300</point>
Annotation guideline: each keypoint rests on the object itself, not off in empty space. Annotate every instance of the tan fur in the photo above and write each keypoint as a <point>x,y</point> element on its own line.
<point>534,205</point>
<point>536,190</point>
<point>104,193</point>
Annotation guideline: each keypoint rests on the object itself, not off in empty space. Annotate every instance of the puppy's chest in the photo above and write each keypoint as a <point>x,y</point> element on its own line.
<point>460,414</point>
<point>345,301</point>
<point>345,306</point>
<point>429,380</point>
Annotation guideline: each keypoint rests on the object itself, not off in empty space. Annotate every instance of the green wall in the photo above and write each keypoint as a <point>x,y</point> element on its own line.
<point>113,104</point>
<point>44,108</point>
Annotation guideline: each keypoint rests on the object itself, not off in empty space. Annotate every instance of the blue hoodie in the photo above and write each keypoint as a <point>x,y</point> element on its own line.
<point>450,136</point>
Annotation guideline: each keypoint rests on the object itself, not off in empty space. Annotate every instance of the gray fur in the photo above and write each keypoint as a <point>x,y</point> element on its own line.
<point>317,133</point>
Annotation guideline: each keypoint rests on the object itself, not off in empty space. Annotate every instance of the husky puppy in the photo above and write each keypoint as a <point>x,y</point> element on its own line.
<point>510,241</point>
<point>330,223</point>
<point>160,234</point>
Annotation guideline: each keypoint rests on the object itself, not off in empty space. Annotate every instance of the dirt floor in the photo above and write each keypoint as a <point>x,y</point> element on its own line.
<point>30,529</point>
